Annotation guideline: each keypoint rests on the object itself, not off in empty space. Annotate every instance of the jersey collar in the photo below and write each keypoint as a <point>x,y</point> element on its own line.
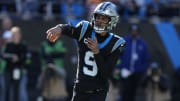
<point>105,42</point>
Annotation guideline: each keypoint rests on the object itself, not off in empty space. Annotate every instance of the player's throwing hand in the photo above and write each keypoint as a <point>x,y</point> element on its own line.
<point>53,33</point>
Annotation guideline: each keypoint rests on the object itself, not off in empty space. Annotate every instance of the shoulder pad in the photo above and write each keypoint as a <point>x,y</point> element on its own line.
<point>83,29</point>
<point>119,43</point>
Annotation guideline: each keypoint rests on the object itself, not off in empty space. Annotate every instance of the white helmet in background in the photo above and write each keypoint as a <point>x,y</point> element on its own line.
<point>107,9</point>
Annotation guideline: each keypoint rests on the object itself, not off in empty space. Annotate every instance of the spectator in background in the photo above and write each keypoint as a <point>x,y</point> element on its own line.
<point>19,9</point>
<point>154,8</point>
<point>2,76</point>
<point>142,8</point>
<point>15,73</point>
<point>131,9</point>
<point>50,84</point>
<point>17,40</point>
<point>120,6</point>
<point>134,63</point>
<point>49,15</point>
<point>157,84</point>
<point>5,33</point>
<point>172,9</point>
<point>54,53</point>
<point>6,37</point>
<point>72,11</point>
<point>4,10</point>
<point>2,80</point>
<point>175,90</point>
<point>30,9</point>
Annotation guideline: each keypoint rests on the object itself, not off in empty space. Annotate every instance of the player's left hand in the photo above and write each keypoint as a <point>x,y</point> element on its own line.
<point>93,45</point>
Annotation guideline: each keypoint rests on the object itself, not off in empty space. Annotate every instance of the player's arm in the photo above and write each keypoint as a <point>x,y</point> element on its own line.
<point>54,33</point>
<point>63,29</point>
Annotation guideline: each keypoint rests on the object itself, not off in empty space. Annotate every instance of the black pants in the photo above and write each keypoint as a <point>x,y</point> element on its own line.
<point>90,96</point>
<point>129,87</point>
<point>14,84</point>
<point>69,89</point>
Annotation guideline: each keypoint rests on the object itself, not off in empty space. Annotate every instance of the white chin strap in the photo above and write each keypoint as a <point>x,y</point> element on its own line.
<point>99,30</point>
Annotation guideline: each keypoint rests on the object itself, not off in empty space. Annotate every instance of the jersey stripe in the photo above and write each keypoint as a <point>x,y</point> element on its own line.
<point>118,43</point>
<point>83,29</point>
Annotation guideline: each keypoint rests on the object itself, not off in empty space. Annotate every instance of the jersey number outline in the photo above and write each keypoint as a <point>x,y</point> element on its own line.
<point>89,60</point>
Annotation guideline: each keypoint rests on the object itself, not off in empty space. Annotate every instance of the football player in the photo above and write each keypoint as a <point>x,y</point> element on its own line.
<point>98,51</point>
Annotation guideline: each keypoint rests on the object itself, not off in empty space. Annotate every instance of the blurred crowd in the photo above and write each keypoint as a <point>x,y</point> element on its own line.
<point>76,9</point>
<point>15,76</point>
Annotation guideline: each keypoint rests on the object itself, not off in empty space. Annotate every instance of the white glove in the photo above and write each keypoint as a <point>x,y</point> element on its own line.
<point>125,73</point>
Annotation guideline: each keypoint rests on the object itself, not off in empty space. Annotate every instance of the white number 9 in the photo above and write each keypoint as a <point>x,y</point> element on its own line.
<point>90,61</point>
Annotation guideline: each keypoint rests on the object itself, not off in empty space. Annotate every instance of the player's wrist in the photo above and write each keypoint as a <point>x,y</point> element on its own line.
<point>96,51</point>
<point>59,28</point>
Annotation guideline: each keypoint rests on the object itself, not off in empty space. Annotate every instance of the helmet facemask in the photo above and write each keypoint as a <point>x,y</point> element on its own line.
<point>101,23</point>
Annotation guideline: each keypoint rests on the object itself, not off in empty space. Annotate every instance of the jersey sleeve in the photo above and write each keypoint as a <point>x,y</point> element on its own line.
<point>119,44</point>
<point>73,31</point>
